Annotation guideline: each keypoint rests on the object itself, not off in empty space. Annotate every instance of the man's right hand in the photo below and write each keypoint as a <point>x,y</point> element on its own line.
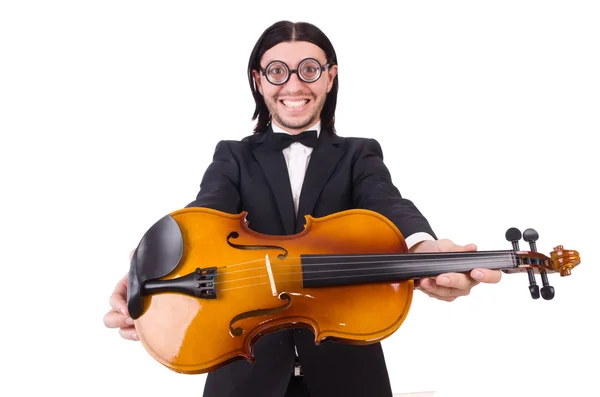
<point>118,316</point>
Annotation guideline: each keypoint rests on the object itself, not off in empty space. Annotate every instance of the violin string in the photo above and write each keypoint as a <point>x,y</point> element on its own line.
<point>454,265</point>
<point>404,262</point>
<point>403,256</point>
<point>399,269</point>
<point>301,280</point>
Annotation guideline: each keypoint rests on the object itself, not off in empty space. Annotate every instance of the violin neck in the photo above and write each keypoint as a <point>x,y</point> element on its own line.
<point>334,270</point>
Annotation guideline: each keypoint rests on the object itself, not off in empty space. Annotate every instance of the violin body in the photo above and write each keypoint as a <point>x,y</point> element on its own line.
<point>203,287</point>
<point>242,285</point>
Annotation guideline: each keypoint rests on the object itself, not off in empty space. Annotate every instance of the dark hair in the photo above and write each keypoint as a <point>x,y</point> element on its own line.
<point>286,31</point>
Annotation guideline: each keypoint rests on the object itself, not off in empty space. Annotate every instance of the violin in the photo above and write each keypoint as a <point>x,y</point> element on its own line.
<point>203,287</point>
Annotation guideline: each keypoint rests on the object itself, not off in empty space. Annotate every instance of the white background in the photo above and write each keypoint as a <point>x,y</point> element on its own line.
<point>110,112</point>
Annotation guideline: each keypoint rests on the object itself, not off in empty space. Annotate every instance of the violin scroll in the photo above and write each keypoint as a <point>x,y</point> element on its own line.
<point>563,261</point>
<point>560,261</point>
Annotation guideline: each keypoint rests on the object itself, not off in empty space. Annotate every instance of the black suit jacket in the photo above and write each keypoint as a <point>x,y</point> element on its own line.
<point>343,173</point>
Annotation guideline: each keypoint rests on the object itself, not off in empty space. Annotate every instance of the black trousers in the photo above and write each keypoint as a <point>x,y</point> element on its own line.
<point>297,387</point>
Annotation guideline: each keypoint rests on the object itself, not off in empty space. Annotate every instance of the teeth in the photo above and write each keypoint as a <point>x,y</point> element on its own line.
<point>294,104</point>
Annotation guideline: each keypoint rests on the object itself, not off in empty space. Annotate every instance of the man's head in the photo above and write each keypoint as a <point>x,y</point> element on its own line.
<point>293,77</point>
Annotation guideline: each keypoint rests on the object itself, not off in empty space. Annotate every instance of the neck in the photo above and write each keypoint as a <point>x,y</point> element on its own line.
<point>333,270</point>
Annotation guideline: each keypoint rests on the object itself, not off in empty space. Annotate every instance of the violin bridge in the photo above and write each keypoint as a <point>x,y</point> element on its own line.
<point>270,273</point>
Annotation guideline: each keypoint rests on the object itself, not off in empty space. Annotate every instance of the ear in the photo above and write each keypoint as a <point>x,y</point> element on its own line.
<point>331,72</point>
<point>257,81</point>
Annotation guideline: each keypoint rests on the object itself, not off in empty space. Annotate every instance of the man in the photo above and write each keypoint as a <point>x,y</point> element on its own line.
<point>293,75</point>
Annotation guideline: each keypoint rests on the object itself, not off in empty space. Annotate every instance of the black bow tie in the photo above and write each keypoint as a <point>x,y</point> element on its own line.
<point>308,138</point>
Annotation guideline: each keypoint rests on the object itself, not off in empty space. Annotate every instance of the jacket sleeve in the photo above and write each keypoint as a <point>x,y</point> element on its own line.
<point>219,188</point>
<point>374,190</point>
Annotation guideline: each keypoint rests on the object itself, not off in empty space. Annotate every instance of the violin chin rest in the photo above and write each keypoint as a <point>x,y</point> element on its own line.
<point>158,254</point>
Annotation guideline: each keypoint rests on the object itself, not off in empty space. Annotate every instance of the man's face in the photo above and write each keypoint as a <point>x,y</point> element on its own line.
<point>295,105</point>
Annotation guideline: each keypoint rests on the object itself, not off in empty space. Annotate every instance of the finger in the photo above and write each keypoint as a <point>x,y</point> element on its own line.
<point>419,281</point>
<point>455,280</point>
<point>114,319</point>
<point>442,298</point>
<point>463,248</point>
<point>486,275</point>
<point>117,299</point>
<point>118,303</point>
<point>129,333</point>
<point>432,287</point>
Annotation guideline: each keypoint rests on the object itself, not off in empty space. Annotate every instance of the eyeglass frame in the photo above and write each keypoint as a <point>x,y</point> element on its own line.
<point>322,68</point>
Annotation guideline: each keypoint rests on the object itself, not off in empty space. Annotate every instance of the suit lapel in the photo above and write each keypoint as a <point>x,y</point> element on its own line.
<point>323,160</point>
<point>273,165</point>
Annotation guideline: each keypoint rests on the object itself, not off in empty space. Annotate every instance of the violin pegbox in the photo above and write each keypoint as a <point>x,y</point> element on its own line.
<point>560,261</point>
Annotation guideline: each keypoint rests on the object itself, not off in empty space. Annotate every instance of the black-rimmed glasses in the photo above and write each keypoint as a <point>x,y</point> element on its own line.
<point>309,70</point>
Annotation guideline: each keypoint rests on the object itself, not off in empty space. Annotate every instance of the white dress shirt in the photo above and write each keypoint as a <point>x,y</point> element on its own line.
<point>297,157</point>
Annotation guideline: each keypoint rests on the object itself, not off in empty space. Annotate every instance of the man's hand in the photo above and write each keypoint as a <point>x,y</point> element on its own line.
<point>449,286</point>
<point>118,316</point>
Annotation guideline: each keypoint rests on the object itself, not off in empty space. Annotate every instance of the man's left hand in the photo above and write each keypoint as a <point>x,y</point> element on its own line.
<point>449,286</point>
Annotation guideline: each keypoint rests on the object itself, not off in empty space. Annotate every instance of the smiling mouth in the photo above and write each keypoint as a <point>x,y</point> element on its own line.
<point>298,104</point>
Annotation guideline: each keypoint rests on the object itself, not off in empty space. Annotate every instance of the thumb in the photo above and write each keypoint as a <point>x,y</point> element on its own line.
<point>471,247</point>
<point>461,248</point>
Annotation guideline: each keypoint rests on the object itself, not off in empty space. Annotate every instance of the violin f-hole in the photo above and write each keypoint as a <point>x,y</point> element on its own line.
<point>259,312</point>
<point>233,235</point>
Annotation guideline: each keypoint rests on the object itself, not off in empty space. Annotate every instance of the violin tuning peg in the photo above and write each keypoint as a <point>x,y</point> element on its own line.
<point>548,292</point>
<point>547,289</point>
<point>531,236</point>
<point>513,235</point>
<point>534,290</point>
